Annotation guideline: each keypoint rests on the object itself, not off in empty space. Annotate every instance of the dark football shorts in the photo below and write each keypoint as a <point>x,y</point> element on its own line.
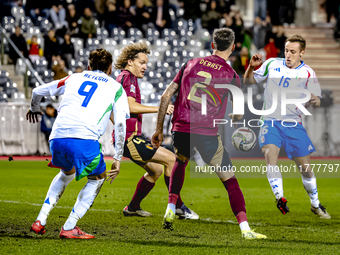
<point>139,149</point>
<point>210,147</point>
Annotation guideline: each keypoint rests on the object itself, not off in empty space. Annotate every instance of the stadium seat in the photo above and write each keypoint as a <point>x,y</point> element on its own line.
<point>168,35</point>
<point>3,78</point>
<point>3,97</point>
<point>110,44</point>
<point>102,34</point>
<point>47,76</point>
<point>161,45</point>
<point>8,23</point>
<point>134,34</point>
<point>204,53</point>
<point>92,44</point>
<point>40,66</point>
<point>118,34</point>
<point>180,24</point>
<point>19,97</point>
<point>152,35</point>
<point>154,98</point>
<point>154,56</point>
<point>43,24</point>
<point>171,56</point>
<point>191,26</point>
<point>17,12</point>
<point>203,35</point>
<point>78,44</point>
<point>195,46</point>
<point>10,89</point>
<point>25,23</point>
<point>221,22</point>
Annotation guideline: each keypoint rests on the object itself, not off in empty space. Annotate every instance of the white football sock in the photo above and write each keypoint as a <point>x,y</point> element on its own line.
<point>171,207</point>
<point>275,180</point>
<point>244,225</point>
<point>54,193</point>
<point>310,186</point>
<point>84,201</point>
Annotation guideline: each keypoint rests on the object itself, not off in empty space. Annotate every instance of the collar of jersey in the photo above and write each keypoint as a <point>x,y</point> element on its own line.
<point>301,65</point>
<point>97,71</point>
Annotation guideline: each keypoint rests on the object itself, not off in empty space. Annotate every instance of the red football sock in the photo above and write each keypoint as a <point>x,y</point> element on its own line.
<point>179,200</point>
<point>236,199</point>
<point>143,188</point>
<point>176,180</point>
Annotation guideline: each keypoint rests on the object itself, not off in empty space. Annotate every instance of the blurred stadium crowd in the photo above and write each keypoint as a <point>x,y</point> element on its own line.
<point>58,35</point>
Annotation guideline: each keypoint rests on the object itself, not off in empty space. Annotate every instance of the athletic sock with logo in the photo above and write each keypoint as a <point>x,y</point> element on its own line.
<point>54,193</point>
<point>275,180</point>
<point>85,200</point>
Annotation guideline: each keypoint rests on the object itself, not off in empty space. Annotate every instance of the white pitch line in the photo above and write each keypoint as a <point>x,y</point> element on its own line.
<point>204,219</point>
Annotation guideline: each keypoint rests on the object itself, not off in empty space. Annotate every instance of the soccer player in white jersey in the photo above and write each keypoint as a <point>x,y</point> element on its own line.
<point>90,99</point>
<point>283,75</point>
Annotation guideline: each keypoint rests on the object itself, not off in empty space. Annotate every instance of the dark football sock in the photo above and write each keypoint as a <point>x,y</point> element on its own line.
<point>236,199</point>
<point>143,188</point>
<point>176,180</point>
<point>179,200</point>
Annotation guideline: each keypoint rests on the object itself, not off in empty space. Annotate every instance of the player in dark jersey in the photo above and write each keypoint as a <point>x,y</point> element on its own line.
<point>132,61</point>
<point>192,128</point>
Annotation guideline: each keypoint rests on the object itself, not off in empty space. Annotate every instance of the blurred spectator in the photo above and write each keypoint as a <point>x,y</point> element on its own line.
<point>110,16</point>
<point>87,26</point>
<point>20,42</point>
<point>59,69</point>
<point>47,121</point>
<point>58,14</point>
<point>259,33</point>
<point>286,11</point>
<point>238,27</point>
<point>38,8</point>
<point>241,62</point>
<point>35,51</point>
<point>78,69</point>
<point>260,8</point>
<point>52,48</point>
<point>144,15</point>
<point>270,47</point>
<point>100,9</point>
<point>210,18</point>
<point>125,18</point>
<point>72,18</point>
<point>191,8</point>
<point>280,41</point>
<point>162,15</point>
<point>332,8</point>
<point>67,50</point>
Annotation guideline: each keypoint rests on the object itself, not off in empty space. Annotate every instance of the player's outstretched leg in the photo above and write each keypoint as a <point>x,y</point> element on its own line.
<point>143,188</point>
<point>309,183</point>
<point>238,207</point>
<point>84,202</point>
<point>57,187</point>
<point>176,183</point>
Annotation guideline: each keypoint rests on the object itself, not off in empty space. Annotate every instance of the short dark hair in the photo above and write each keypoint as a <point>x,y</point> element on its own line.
<point>100,59</point>
<point>299,39</point>
<point>223,38</point>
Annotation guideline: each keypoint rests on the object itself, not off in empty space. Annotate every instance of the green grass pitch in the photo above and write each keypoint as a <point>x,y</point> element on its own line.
<point>23,186</point>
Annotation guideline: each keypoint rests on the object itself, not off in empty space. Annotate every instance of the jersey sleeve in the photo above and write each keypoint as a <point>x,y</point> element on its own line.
<point>261,74</point>
<point>313,84</point>
<point>120,103</point>
<point>54,88</point>
<point>129,86</point>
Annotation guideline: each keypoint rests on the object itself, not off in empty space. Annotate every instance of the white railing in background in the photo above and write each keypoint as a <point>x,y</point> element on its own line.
<point>19,137</point>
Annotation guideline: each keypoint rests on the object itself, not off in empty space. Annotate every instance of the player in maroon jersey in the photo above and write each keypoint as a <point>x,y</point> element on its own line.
<point>132,61</point>
<point>192,128</point>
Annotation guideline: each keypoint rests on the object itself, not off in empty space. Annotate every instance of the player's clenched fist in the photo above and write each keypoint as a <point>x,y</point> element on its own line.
<point>157,139</point>
<point>256,60</point>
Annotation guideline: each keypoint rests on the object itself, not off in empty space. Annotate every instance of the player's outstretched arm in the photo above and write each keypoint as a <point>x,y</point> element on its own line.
<point>157,137</point>
<point>255,61</point>
<point>50,89</point>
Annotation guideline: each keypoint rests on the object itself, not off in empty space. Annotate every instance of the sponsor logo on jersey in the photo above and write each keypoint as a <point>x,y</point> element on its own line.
<point>310,147</point>
<point>277,69</point>
<point>133,88</point>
